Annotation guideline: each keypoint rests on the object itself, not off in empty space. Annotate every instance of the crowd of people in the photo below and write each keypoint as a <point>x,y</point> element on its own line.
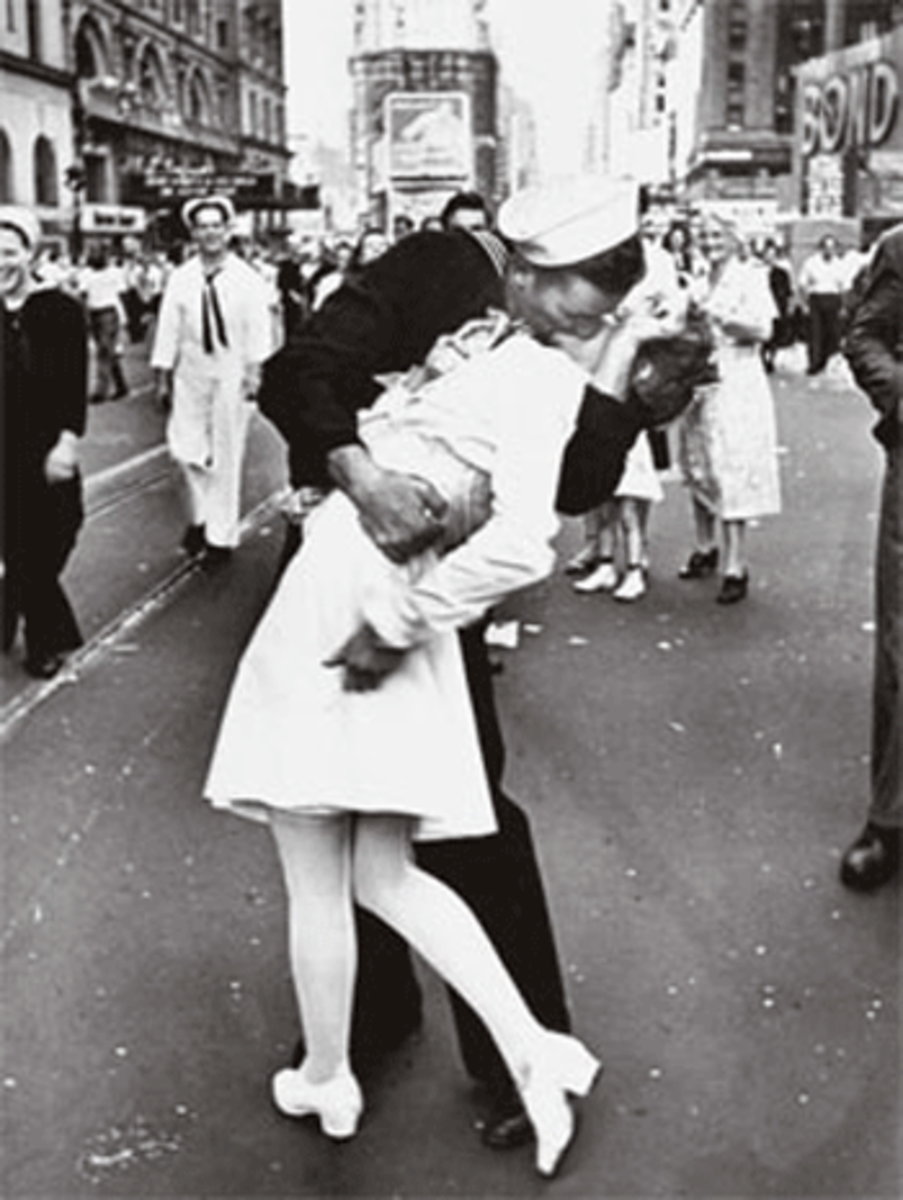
<point>445,394</point>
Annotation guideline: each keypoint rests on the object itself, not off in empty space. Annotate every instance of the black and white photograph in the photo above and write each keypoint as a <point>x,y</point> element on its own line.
<point>451,573</point>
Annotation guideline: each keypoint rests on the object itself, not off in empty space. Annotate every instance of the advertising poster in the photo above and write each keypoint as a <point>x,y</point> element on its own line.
<point>429,136</point>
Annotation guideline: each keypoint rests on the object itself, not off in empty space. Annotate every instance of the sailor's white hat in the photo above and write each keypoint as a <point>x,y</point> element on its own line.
<point>570,220</point>
<point>23,221</point>
<point>191,207</point>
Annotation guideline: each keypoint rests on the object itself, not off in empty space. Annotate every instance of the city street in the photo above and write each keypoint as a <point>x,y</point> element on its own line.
<point>692,773</point>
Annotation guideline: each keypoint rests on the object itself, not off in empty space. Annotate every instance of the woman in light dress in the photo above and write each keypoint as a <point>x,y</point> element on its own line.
<point>728,440</point>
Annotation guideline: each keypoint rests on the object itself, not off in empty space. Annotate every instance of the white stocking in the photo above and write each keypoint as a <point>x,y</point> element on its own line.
<point>437,923</point>
<point>315,852</point>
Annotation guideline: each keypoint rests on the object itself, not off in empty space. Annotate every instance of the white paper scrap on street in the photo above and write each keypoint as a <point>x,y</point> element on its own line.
<point>503,635</point>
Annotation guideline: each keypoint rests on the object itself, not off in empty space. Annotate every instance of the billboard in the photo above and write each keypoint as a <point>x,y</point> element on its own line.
<point>429,136</point>
<point>849,154</point>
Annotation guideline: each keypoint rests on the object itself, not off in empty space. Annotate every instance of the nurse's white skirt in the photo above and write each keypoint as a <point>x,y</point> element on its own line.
<point>292,739</point>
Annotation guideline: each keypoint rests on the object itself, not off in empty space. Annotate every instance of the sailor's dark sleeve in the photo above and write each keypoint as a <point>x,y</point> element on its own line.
<point>593,460</point>
<point>385,319</point>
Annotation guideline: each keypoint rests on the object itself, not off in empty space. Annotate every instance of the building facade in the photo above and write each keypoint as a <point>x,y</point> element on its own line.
<point>425,109</point>
<point>720,85</point>
<point>144,102</point>
<point>36,133</point>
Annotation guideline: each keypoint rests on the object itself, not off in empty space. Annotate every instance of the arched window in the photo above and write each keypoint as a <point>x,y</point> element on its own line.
<point>6,169</point>
<point>89,50</point>
<point>198,108</point>
<point>151,78</point>
<point>46,183</point>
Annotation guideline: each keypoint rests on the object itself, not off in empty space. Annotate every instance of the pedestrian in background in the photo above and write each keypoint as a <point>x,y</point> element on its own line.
<point>728,439</point>
<point>466,210</point>
<point>102,284</point>
<point>874,348</point>
<point>44,376</point>
<point>822,282</point>
<point>214,332</point>
<point>294,297</point>
<point>783,291</point>
<point>370,246</point>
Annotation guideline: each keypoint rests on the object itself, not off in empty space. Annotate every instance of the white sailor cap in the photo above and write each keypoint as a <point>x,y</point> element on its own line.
<point>567,221</point>
<point>192,207</point>
<point>23,221</point>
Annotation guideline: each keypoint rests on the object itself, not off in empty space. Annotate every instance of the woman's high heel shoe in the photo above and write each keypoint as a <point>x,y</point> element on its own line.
<point>733,588</point>
<point>563,1068</point>
<point>337,1102</point>
<point>700,564</point>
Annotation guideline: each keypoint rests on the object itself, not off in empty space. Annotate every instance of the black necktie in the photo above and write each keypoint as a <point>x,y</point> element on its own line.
<point>210,304</point>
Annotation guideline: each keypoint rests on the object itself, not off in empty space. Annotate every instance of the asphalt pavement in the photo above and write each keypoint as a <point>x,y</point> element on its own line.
<point>692,773</point>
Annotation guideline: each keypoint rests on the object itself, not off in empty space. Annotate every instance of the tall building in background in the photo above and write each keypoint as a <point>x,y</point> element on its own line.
<point>732,87</point>
<point>706,98</point>
<point>425,106</point>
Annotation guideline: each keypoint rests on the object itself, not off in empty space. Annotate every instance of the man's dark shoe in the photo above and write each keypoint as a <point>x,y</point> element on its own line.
<point>506,1124</point>
<point>700,564</point>
<point>193,541</point>
<point>216,557</point>
<point>44,666</point>
<point>873,859</point>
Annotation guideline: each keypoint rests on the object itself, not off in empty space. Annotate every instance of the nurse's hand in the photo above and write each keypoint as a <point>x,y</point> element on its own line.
<point>366,660</point>
<point>402,514</point>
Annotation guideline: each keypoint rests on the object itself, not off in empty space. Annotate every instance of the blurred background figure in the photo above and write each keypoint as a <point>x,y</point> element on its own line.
<point>102,284</point>
<point>780,281</point>
<point>331,274</point>
<point>466,210</point>
<point>44,376</point>
<point>294,296</point>
<point>822,282</point>
<point>728,440</point>
<point>371,245</point>
<point>402,226</point>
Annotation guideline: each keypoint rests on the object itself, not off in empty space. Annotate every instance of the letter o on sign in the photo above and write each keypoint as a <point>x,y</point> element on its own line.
<point>834,102</point>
